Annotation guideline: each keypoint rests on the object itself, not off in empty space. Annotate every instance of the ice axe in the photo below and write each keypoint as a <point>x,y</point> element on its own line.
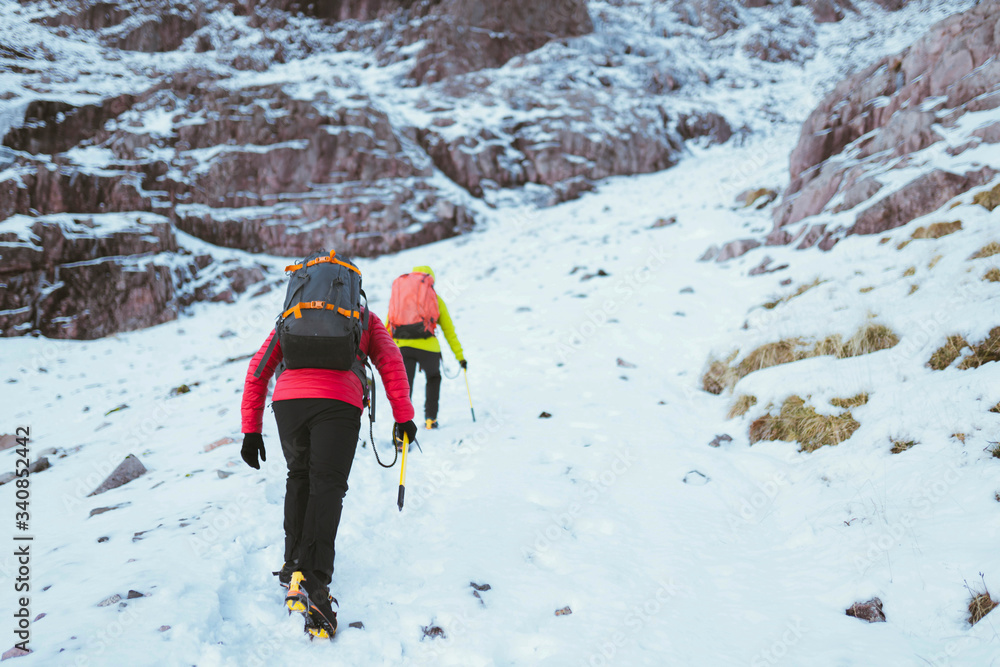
<point>466,371</point>
<point>402,474</point>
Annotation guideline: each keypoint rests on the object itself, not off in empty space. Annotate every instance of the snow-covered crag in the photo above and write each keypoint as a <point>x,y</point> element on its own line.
<point>368,126</point>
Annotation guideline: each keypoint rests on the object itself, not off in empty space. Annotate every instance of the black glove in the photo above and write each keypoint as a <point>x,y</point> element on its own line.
<point>253,443</point>
<point>409,429</point>
<point>464,364</point>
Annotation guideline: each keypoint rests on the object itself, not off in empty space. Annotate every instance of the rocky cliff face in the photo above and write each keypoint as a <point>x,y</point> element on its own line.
<point>365,125</point>
<point>889,144</point>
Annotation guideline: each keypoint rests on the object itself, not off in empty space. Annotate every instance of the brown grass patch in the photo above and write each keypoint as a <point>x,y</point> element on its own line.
<point>741,405</point>
<point>980,603</point>
<point>719,375</point>
<point>960,437</point>
<point>988,199</point>
<point>995,408</point>
<point>913,288</point>
<point>934,261</point>
<point>993,275</point>
<point>988,250</point>
<point>903,244</point>
<point>802,289</point>
<point>937,230</point>
<point>945,355</point>
<point>899,446</point>
<point>984,352</point>
<point>869,338</point>
<point>797,422</point>
<point>848,403</point>
<point>912,271</point>
<point>865,290</point>
<point>994,450</point>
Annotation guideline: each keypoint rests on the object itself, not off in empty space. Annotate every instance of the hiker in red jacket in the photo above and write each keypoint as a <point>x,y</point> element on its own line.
<point>318,412</point>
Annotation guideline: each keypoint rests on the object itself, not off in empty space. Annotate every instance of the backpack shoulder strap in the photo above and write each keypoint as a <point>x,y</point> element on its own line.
<point>267,354</point>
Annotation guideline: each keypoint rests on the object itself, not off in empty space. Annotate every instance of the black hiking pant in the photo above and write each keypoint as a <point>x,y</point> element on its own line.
<point>430,364</point>
<point>318,437</point>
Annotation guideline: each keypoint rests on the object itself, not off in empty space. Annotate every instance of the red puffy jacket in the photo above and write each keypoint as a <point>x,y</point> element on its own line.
<point>345,386</point>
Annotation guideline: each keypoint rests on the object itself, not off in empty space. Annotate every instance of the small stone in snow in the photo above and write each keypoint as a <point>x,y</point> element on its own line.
<point>223,474</point>
<point>110,600</point>
<point>687,290</point>
<point>719,439</point>
<point>625,364</point>
<point>134,594</point>
<point>696,478</point>
<point>14,652</point>
<point>544,415</point>
<point>357,624</point>
<point>164,628</point>
<point>565,611</point>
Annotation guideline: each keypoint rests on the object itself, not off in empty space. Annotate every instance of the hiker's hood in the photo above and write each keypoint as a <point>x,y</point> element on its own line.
<point>424,269</point>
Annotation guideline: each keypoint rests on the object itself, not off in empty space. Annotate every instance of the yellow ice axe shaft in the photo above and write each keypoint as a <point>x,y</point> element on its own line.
<point>470,393</point>
<point>402,474</point>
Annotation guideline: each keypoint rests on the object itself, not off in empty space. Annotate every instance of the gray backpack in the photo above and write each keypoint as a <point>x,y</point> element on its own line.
<point>322,321</point>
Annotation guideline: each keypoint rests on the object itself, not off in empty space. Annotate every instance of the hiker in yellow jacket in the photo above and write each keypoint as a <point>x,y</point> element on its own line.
<point>415,311</point>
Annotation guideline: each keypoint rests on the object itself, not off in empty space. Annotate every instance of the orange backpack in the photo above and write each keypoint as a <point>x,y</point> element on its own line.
<point>413,306</point>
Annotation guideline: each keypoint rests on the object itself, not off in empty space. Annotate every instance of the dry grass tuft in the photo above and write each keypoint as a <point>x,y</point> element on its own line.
<point>993,275</point>
<point>870,338</point>
<point>802,289</point>
<point>945,355</point>
<point>741,405</point>
<point>937,230</point>
<point>984,352</point>
<point>852,402</point>
<point>988,250</point>
<point>829,346</point>
<point>797,422</point>
<point>901,445</point>
<point>913,288</point>
<point>771,354</point>
<point>988,199</point>
<point>865,290</point>
<point>934,261</point>
<point>980,603</point>
<point>719,375</point>
<point>912,271</point>
<point>960,437</point>
<point>994,450</point>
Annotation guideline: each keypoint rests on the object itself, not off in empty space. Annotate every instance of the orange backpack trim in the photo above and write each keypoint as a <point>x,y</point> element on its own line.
<point>320,260</point>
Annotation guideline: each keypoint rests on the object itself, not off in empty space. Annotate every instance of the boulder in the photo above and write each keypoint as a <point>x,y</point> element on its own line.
<point>129,469</point>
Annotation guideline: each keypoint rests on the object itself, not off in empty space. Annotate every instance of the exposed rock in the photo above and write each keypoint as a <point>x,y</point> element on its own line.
<point>102,510</point>
<point>886,112</point>
<point>108,601</point>
<point>14,652</point>
<point>129,469</point>
<point>725,438</point>
<point>134,594</point>
<point>716,16</point>
<point>61,272</point>
<point>736,248</point>
<point>466,35</point>
<point>870,611</point>
<point>7,440</point>
<point>921,196</point>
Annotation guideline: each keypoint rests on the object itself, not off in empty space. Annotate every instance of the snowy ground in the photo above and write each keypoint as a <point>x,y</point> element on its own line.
<point>751,562</point>
<point>586,509</point>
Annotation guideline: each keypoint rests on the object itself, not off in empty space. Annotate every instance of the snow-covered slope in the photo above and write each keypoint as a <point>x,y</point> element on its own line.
<point>666,549</point>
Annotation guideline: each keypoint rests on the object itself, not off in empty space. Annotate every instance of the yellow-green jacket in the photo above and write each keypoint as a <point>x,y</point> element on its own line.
<point>444,322</point>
